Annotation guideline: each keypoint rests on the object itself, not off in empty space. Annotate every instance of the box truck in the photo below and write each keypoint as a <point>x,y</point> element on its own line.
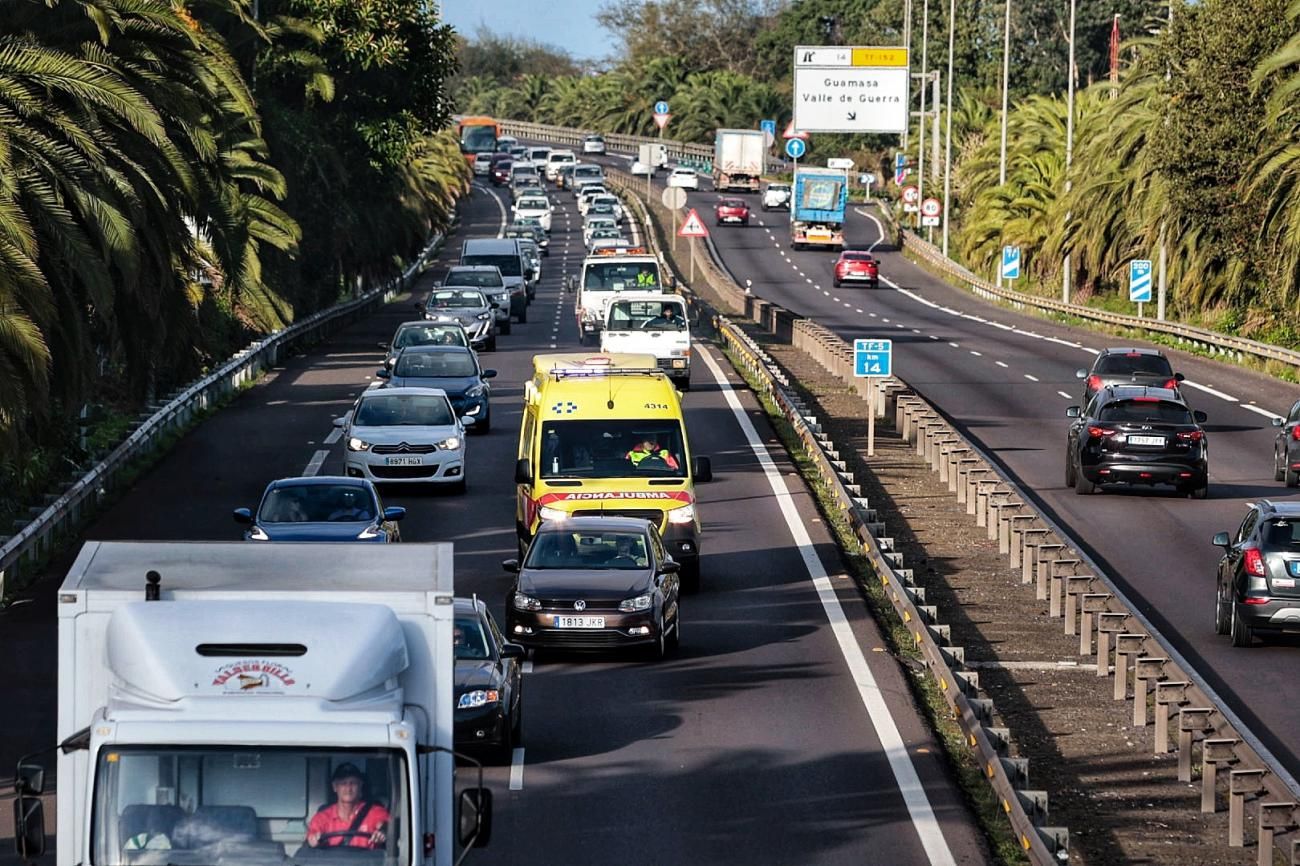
<point>817,213</point>
<point>738,156</point>
<point>255,703</point>
<point>652,156</point>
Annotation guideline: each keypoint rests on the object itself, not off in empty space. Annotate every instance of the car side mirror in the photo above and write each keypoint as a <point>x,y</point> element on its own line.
<point>702,469</point>
<point>29,827</point>
<point>474,817</point>
<point>510,565</point>
<point>1221,539</point>
<point>418,307</point>
<point>394,513</point>
<point>1080,374</point>
<point>1072,412</point>
<point>341,421</point>
<point>1276,422</point>
<point>243,516</point>
<point>467,420</point>
<point>512,651</point>
<point>1200,417</point>
<point>383,345</point>
<point>489,374</point>
<point>523,471</point>
<point>669,566</point>
<point>384,373</point>
<point>1179,377</point>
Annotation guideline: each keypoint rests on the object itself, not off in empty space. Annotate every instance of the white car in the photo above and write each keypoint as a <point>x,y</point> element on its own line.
<point>537,157</point>
<point>558,160</point>
<point>611,200</point>
<point>404,436</point>
<point>482,163</point>
<point>593,144</point>
<point>597,222</point>
<point>589,192</point>
<point>686,178</point>
<point>777,195</point>
<point>536,206</point>
<point>640,168</point>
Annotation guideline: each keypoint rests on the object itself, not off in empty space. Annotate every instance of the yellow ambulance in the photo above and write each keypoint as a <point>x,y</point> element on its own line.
<point>604,434</point>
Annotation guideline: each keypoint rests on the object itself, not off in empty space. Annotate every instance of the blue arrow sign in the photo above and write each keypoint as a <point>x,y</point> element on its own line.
<point>873,358</point>
<point>795,148</point>
<point>900,161</point>
<point>1010,263</point>
<point>661,107</point>
<point>768,126</point>
<point>1139,281</point>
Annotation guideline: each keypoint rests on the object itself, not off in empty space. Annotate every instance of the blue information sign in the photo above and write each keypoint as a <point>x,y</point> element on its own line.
<point>661,107</point>
<point>768,126</point>
<point>1139,281</point>
<point>795,148</point>
<point>873,358</point>
<point>1010,263</point>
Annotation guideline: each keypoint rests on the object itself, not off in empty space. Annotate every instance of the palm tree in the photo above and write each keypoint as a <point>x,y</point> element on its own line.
<point>1277,168</point>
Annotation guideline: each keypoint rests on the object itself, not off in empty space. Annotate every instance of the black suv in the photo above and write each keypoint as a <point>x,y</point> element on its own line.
<point>1258,588</point>
<point>1132,434</point>
<point>1286,448</point>
<point>1128,367</point>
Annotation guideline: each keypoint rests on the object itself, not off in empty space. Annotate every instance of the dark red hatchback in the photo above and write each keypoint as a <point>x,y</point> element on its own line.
<point>731,210</point>
<point>499,171</point>
<point>857,266</point>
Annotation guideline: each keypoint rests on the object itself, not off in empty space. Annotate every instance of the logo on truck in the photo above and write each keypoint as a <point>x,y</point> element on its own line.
<point>253,676</point>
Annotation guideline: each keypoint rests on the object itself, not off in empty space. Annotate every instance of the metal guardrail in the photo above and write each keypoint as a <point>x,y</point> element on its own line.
<point>21,553</point>
<point>1202,338</point>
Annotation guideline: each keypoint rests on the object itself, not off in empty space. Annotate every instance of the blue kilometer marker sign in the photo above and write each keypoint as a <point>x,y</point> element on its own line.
<point>1139,281</point>
<point>873,358</point>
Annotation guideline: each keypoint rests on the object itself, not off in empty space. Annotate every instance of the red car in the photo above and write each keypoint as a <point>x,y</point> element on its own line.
<point>731,210</point>
<point>857,266</point>
<point>500,170</point>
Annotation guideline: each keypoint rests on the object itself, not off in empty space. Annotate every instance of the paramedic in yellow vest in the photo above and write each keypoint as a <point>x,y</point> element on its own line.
<point>650,448</point>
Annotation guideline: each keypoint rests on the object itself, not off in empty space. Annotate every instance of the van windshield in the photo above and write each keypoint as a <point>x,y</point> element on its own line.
<point>647,316</point>
<point>613,449</point>
<point>510,266</point>
<point>248,804</point>
<point>615,276</point>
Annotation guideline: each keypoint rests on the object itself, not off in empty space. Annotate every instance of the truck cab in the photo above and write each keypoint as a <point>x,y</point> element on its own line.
<point>652,324</point>
<point>605,274</point>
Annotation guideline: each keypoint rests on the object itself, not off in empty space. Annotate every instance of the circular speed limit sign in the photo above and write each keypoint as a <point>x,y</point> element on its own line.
<point>911,194</point>
<point>931,207</point>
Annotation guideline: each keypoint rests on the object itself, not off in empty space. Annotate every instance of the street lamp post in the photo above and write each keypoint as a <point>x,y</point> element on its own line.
<point>947,158</point>
<point>1006,67</point>
<point>1069,150</point>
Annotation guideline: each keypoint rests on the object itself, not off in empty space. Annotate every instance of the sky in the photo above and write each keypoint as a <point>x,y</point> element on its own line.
<point>567,24</point>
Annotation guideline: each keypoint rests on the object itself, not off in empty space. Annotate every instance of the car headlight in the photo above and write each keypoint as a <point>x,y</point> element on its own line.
<point>355,444</point>
<point>258,534</point>
<point>476,391</point>
<point>526,602</point>
<point>483,317</point>
<point>545,512</point>
<point>632,605</point>
<point>368,533</point>
<point>478,698</point>
<point>685,514</point>
<point>451,443</point>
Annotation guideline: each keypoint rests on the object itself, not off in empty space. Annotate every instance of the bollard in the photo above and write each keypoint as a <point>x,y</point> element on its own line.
<point>1145,668</point>
<point>1168,693</point>
<point>1191,722</point>
<point>1059,570</point>
<point>1030,540</point>
<point>974,478</point>
<point>997,500</point>
<point>1214,752</point>
<point>961,482</point>
<point>1241,784</point>
<point>1091,605</point>
<point>1044,556</point>
<point>1016,528</point>
<point>1273,818</point>
<point>1075,586</point>
<point>1110,623</point>
<point>1126,645</point>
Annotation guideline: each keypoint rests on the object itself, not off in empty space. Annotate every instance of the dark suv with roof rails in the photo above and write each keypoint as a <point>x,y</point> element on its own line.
<point>1258,588</point>
<point>1133,434</point>
<point>1128,366</point>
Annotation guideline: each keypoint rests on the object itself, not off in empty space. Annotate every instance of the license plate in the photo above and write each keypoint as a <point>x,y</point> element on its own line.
<point>818,236</point>
<point>1146,440</point>
<point>1284,583</point>
<point>404,461</point>
<point>579,622</point>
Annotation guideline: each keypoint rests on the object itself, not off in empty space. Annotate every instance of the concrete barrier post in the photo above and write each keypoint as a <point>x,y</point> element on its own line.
<point>1168,694</point>
<point>1146,669</point>
<point>1241,784</point>
<point>1215,752</point>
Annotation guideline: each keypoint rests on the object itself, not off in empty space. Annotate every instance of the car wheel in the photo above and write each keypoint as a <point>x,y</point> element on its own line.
<point>1069,471</point>
<point>1279,471</point>
<point>484,425</point>
<point>459,487</point>
<point>1201,491</point>
<point>1242,634</point>
<point>745,222</point>
<point>1291,477</point>
<point>836,283</point>
<point>1221,624</point>
<point>517,724</point>
<point>659,648</point>
<point>504,752</point>
<point>717,222</point>
<point>1082,485</point>
<point>504,327</point>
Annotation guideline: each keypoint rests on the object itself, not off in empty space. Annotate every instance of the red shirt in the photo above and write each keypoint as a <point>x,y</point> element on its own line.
<point>327,820</point>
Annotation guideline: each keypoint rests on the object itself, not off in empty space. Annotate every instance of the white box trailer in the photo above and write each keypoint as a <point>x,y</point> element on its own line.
<point>213,696</point>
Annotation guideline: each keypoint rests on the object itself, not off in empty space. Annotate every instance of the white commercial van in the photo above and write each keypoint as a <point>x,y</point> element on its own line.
<point>653,324</point>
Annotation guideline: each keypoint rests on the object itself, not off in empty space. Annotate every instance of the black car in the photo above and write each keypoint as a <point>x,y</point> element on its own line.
<point>455,370</point>
<point>321,508</point>
<point>595,583</point>
<point>532,231</point>
<point>1131,434</point>
<point>1128,366</point>
<point>1286,448</point>
<point>489,682</point>
<point>1258,587</point>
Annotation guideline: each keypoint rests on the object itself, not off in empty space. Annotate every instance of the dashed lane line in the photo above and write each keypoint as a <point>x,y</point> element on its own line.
<point>335,435</point>
<point>1063,394</point>
<point>517,769</point>
<point>1031,378</point>
<point>314,465</point>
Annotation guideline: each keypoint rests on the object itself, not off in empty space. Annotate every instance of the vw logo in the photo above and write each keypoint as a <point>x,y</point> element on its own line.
<point>579,605</point>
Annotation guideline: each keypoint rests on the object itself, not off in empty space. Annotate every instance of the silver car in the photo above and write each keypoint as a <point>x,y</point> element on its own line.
<point>488,280</point>
<point>404,435</point>
<point>423,333</point>
<point>469,307</point>
<point>533,260</point>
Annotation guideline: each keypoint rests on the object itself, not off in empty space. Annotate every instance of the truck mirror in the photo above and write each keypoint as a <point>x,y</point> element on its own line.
<point>523,471</point>
<point>474,820</point>
<point>29,827</point>
<point>702,469</point>
<point>31,780</point>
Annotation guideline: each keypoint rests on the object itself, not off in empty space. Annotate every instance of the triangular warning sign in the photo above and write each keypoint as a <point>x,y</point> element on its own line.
<point>791,132</point>
<point>693,227</point>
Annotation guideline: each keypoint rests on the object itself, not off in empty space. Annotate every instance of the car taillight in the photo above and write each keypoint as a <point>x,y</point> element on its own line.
<point>1295,432</point>
<point>1254,562</point>
<point>1171,383</point>
<point>1192,436</point>
<point>1100,432</point>
<point>1094,383</point>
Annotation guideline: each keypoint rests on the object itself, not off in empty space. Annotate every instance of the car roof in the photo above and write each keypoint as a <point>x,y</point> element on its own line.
<point>472,268</point>
<point>470,605</point>
<point>590,524</point>
<point>321,481</point>
<point>1129,350</point>
<point>1286,509</point>
<point>425,323</point>
<point>1128,392</point>
<point>399,392</point>
<point>432,350</point>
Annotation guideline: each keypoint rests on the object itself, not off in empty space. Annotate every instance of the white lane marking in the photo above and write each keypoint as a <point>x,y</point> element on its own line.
<point>900,762</point>
<point>526,667</point>
<point>335,435</point>
<point>899,326</point>
<point>883,319</point>
<point>497,202</point>
<point>1063,394</point>
<point>314,465</point>
<point>847,304</point>
<point>857,309</point>
<point>1208,390</point>
<point>1031,378</point>
<point>872,315</point>
<point>879,228</point>
<point>976,354</point>
<point>954,345</point>
<point>1000,363</point>
<point>837,300</point>
<point>807,280</point>
<point>916,330</point>
<point>517,769</point>
<point>1250,407</point>
<point>933,337</point>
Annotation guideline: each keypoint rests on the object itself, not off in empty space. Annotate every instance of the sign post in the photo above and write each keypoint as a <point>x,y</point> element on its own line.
<point>693,227</point>
<point>1139,282</point>
<point>872,359</point>
<point>900,168</point>
<point>674,198</point>
<point>794,148</point>
<point>1010,269</point>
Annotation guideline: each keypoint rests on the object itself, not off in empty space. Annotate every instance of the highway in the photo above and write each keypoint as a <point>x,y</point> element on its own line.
<point>1006,379</point>
<point>779,734</point>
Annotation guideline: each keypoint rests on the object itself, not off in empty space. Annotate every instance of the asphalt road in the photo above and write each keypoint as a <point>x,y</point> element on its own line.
<point>1005,379</point>
<point>778,734</point>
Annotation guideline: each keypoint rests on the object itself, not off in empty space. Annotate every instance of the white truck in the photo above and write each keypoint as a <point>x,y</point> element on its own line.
<point>605,274</point>
<point>652,156</point>
<point>738,157</point>
<point>641,323</point>
<point>215,699</point>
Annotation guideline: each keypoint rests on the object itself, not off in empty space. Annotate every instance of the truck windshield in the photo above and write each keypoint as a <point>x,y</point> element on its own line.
<point>478,139</point>
<point>647,316</point>
<point>616,276</point>
<point>613,449</point>
<point>250,805</point>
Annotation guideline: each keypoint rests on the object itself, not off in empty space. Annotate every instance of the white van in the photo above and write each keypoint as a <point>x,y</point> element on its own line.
<point>557,160</point>
<point>653,324</point>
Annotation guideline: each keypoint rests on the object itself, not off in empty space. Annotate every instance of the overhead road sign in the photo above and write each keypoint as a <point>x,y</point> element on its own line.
<point>1139,281</point>
<point>853,89</point>
<point>1010,263</point>
<point>795,148</point>
<point>693,226</point>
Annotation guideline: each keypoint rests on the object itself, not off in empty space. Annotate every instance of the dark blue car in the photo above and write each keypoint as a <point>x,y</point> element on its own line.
<point>321,508</point>
<point>455,370</point>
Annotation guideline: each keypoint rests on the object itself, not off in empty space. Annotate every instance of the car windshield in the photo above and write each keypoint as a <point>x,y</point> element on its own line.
<point>430,335</point>
<point>454,298</point>
<point>471,640</point>
<point>588,549</point>
<point>1281,532</point>
<point>613,449</point>
<point>533,204</point>
<point>244,804</point>
<point>1127,363</point>
<point>404,410</point>
<point>435,365</point>
<point>480,279</point>
<point>856,257</point>
<point>508,265</point>
<point>600,207</point>
<point>731,202</point>
<point>647,316</point>
<point>616,276</point>
<point>778,187</point>
<point>600,232</point>
<point>601,222</point>
<point>1140,411</point>
<point>317,503</point>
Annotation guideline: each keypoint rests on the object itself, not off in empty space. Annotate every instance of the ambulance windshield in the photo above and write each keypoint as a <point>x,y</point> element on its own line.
<point>613,449</point>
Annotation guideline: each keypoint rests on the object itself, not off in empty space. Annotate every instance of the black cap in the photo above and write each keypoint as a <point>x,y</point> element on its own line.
<point>347,771</point>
